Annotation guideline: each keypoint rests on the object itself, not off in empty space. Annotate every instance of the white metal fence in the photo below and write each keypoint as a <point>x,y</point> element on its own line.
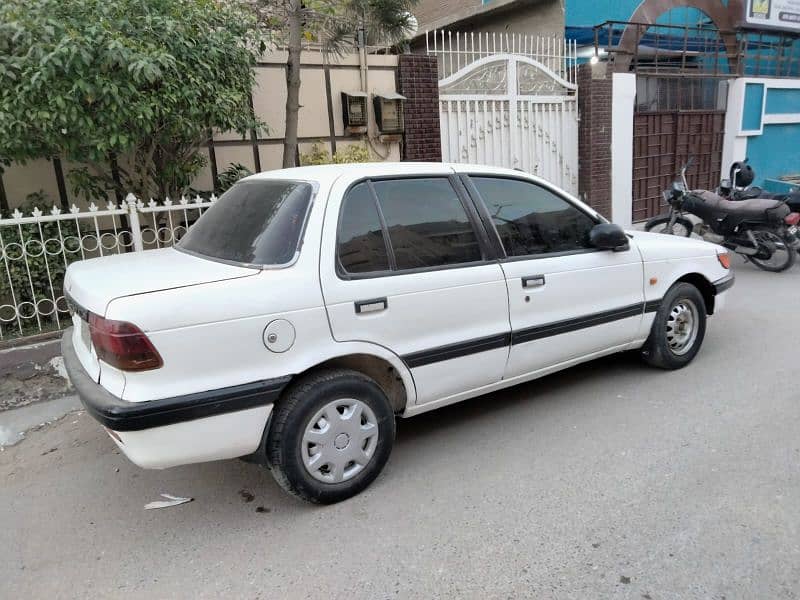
<point>509,100</point>
<point>36,249</point>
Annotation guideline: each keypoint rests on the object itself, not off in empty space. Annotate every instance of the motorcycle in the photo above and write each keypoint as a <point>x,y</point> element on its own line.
<point>738,187</point>
<point>763,231</point>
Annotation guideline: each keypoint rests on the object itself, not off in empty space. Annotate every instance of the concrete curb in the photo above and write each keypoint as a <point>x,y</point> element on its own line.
<point>16,422</point>
<point>13,358</point>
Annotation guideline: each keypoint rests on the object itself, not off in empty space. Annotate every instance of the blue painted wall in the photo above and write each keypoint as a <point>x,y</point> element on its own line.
<point>586,13</point>
<point>582,13</point>
<point>775,152</point>
<point>753,103</point>
<point>783,101</point>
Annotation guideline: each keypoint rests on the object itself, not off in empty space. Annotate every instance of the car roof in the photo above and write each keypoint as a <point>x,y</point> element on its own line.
<point>327,174</point>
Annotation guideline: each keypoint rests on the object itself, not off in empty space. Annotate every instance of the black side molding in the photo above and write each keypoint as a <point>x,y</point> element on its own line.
<point>520,336</point>
<point>119,415</point>
<point>652,306</point>
<point>724,284</point>
<point>426,357</point>
<point>529,334</point>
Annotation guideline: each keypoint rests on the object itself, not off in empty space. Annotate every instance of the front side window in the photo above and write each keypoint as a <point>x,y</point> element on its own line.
<point>427,224</point>
<point>257,222</point>
<point>531,219</point>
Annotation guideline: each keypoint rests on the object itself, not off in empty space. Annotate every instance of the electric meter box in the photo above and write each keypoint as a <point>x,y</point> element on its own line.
<point>389,112</point>
<point>354,111</point>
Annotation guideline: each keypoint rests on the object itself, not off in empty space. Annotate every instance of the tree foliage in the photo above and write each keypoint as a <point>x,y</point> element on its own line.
<point>335,25</point>
<point>137,82</point>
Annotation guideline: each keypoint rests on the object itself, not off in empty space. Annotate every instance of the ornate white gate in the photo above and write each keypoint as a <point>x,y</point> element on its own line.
<point>512,104</point>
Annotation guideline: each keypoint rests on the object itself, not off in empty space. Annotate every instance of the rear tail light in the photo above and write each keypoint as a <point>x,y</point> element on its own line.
<point>724,259</point>
<point>792,219</point>
<point>122,345</point>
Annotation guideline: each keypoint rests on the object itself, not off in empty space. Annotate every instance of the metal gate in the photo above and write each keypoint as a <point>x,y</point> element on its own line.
<point>509,101</point>
<point>662,143</point>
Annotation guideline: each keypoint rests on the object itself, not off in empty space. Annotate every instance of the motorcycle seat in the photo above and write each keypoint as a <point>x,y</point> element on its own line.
<point>751,208</point>
<point>753,192</point>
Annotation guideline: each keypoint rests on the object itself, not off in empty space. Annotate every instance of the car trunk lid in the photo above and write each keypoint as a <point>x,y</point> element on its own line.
<point>90,285</point>
<point>94,283</point>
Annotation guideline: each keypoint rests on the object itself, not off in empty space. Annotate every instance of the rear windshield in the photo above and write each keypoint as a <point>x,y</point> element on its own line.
<point>257,222</point>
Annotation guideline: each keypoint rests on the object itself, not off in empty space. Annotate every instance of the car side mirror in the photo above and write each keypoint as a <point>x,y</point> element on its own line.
<point>608,236</point>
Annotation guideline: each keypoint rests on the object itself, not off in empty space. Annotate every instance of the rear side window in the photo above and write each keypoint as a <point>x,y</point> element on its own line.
<point>427,224</point>
<point>257,222</point>
<point>361,247</point>
<point>531,219</point>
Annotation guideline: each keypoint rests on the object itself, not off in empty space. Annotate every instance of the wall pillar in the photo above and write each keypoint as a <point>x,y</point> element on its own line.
<point>605,140</point>
<point>623,97</point>
<point>418,81</point>
<point>734,145</point>
<point>594,137</point>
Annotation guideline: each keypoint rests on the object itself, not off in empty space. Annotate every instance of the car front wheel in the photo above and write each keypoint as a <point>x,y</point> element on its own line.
<point>330,436</point>
<point>678,328</point>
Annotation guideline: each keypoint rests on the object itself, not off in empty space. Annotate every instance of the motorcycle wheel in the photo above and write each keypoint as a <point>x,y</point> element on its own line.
<point>682,227</point>
<point>781,256</point>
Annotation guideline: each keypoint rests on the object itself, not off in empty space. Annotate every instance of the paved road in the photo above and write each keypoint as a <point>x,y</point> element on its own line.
<point>608,481</point>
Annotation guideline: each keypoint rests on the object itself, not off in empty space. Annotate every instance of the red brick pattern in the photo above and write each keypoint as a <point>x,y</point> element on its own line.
<point>419,83</point>
<point>594,137</point>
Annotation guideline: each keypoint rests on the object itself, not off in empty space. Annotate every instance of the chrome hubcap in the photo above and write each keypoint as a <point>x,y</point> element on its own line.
<point>682,324</point>
<point>339,440</point>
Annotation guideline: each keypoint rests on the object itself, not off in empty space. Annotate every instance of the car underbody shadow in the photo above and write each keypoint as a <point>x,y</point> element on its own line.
<point>596,373</point>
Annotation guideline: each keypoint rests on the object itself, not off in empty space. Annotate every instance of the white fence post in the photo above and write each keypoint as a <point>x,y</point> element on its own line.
<point>136,228</point>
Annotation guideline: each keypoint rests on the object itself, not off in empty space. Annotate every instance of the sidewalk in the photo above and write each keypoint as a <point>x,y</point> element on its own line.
<point>14,423</point>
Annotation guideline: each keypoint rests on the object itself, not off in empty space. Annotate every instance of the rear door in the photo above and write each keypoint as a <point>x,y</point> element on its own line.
<point>405,264</point>
<point>567,300</point>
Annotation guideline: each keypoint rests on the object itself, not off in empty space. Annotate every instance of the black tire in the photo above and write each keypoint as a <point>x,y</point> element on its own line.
<point>292,416</point>
<point>661,225</point>
<point>769,237</point>
<point>659,350</point>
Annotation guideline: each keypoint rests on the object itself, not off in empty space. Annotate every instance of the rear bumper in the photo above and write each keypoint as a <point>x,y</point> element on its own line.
<point>198,427</point>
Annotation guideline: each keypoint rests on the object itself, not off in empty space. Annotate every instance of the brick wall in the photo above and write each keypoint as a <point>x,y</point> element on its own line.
<point>418,82</point>
<point>594,137</point>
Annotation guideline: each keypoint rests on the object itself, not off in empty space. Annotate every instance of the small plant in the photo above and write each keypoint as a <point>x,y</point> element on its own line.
<point>356,153</point>
<point>352,154</point>
<point>231,175</point>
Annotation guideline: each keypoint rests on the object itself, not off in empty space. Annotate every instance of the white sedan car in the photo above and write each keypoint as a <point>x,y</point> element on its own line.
<point>310,307</point>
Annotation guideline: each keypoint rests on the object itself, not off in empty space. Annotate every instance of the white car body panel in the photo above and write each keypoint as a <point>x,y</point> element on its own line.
<point>424,310</point>
<point>207,319</point>
<point>215,438</point>
<point>575,286</point>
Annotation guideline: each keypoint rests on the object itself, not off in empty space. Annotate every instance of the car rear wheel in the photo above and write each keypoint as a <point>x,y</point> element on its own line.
<point>678,328</point>
<point>331,435</point>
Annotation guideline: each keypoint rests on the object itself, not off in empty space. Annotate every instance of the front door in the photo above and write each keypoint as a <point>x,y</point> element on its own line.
<point>567,300</point>
<point>404,265</point>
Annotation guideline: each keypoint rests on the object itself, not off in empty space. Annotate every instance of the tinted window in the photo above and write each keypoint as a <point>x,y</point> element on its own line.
<point>255,222</point>
<point>361,245</point>
<point>428,226</point>
<point>531,219</point>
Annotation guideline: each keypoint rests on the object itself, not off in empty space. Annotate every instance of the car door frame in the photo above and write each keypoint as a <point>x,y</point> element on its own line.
<point>490,251</point>
<point>414,360</point>
<point>559,326</point>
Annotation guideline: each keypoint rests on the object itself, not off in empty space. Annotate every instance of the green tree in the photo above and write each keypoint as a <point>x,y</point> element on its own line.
<point>336,25</point>
<point>138,84</point>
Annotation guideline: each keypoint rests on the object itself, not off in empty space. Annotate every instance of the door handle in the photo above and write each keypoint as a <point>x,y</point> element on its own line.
<point>373,305</point>
<point>533,281</point>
